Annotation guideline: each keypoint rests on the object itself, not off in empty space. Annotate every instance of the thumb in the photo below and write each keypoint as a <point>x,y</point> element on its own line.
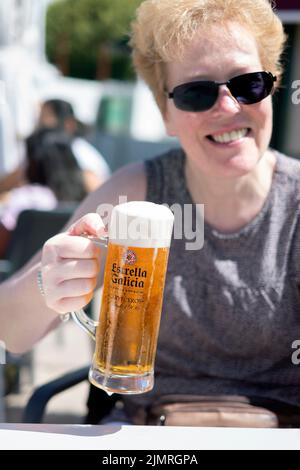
<point>89,224</point>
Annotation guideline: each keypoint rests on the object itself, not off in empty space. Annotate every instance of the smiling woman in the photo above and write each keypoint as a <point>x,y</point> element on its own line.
<point>229,138</point>
<point>231,309</point>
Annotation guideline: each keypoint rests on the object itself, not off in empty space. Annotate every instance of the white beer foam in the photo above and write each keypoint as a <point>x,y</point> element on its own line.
<point>141,224</point>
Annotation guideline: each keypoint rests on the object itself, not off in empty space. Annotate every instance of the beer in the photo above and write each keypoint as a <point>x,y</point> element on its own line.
<point>135,270</point>
<point>131,308</point>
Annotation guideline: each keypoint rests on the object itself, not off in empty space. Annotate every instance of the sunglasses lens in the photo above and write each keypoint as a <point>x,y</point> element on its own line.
<point>251,87</point>
<point>195,96</point>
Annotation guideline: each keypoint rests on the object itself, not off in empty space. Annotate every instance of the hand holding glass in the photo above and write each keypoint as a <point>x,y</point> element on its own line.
<point>126,336</point>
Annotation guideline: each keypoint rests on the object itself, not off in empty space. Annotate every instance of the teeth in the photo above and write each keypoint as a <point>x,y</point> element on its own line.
<point>230,136</point>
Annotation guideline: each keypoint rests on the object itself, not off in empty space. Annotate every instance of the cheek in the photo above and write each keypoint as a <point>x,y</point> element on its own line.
<point>262,116</point>
<point>182,124</point>
<point>266,124</point>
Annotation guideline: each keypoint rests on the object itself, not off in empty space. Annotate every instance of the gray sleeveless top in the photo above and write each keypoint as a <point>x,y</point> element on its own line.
<point>232,309</point>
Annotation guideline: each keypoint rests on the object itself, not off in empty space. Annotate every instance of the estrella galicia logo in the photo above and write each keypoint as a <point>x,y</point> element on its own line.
<point>129,257</point>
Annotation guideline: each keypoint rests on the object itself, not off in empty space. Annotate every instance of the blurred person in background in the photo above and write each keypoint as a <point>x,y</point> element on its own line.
<point>59,114</point>
<point>52,176</point>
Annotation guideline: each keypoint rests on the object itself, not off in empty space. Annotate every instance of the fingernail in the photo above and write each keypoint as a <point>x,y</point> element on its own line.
<point>99,228</point>
<point>71,230</point>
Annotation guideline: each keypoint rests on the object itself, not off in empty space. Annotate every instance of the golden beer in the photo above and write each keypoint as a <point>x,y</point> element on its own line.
<point>131,308</point>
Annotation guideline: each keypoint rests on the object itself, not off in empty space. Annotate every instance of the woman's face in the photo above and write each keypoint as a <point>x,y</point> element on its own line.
<point>220,54</point>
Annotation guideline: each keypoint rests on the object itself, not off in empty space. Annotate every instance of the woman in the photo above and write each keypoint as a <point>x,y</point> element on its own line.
<point>57,114</point>
<point>231,309</point>
<point>52,177</point>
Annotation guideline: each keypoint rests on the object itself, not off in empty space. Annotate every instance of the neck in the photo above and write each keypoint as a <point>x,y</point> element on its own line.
<point>230,204</point>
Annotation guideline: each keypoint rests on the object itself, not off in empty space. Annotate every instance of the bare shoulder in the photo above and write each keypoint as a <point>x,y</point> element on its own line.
<point>129,181</point>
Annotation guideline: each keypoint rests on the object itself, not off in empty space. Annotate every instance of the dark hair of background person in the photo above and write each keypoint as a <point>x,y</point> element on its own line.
<point>50,162</point>
<point>61,108</point>
<point>63,112</point>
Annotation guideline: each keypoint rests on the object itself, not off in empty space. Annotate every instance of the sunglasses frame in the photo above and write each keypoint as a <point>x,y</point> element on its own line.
<point>215,86</point>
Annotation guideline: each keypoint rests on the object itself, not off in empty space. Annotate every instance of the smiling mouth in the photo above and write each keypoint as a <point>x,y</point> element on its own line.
<point>229,137</point>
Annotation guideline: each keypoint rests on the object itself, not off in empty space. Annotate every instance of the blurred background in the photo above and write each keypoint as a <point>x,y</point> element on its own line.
<point>77,51</point>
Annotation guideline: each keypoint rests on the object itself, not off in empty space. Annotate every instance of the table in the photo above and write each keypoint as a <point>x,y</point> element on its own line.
<point>119,437</point>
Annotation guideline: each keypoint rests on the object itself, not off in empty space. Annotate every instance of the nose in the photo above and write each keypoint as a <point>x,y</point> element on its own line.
<point>226,102</point>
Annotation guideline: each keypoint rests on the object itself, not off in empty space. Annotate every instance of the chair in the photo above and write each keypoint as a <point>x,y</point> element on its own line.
<point>36,406</point>
<point>33,228</point>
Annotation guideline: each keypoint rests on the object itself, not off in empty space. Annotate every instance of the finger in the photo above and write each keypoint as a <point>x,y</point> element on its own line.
<point>89,224</point>
<point>64,246</point>
<point>75,288</point>
<point>76,269</point>
<point>71,304</point>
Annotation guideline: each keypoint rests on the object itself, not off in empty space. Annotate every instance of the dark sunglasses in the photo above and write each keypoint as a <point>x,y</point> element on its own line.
<point>248,88</point>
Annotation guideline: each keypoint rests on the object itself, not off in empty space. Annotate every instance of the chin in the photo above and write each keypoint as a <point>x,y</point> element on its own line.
<point>237,166</point>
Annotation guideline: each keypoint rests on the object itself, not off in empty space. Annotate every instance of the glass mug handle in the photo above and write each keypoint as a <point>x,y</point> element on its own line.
<point>79,316</point>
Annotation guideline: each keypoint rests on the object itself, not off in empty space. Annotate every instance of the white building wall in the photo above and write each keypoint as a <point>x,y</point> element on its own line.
<point>22,64</point>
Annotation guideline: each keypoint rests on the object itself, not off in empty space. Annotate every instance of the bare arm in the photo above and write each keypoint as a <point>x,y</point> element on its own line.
<point>12,180</point>
<point>91,181</point>
<point>5,236</point>
<point>24,316</point>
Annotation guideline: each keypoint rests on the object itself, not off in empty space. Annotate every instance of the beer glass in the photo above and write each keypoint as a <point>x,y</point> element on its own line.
<point>139,238</point>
